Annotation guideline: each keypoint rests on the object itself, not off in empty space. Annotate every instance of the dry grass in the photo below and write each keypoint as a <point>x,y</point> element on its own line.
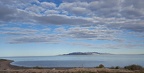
<point>74,70</point>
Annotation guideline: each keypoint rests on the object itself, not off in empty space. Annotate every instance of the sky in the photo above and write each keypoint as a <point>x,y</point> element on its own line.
<point>53,27</point>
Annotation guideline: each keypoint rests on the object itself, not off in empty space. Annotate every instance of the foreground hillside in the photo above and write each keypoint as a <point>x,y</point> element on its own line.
<point>74,70</point>
<point>5,67</point>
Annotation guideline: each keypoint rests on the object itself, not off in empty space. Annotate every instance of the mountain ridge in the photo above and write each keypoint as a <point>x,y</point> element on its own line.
<point>87,53</point>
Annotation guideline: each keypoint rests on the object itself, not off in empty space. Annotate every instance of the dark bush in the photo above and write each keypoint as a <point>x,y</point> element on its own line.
<point>100,66</point>
<point>37,67</point>
<point>134,67</point>
<point>117,67</point>
<point>3,60</point>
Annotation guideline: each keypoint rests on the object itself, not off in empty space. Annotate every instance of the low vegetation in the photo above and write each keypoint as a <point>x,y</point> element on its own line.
<point>100,66</point>
<point>37,67</point>
<point>116,67</point>
<point>3,60</point>
<point>134,67</point>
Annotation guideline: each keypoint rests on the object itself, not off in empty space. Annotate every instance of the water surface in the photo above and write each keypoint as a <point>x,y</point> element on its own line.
<point>78,60</point>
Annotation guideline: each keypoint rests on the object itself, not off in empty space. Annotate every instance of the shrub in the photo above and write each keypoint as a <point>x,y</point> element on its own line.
<point>3,60</point>
<point>117,67</point>
<point>37,67</point>
<point>133,67</point>
<point>100,66</point>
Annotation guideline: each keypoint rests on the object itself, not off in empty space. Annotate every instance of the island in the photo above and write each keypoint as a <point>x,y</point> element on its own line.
<point>87,53</point>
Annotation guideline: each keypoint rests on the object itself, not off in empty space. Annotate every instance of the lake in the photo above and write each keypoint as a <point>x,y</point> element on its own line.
<point>78,60</point>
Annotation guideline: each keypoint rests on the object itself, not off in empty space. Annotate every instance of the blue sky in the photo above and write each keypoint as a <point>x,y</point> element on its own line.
<point>53,27</point>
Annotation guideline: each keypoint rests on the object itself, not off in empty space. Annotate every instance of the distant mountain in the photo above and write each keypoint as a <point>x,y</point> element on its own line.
<point>87,53</point>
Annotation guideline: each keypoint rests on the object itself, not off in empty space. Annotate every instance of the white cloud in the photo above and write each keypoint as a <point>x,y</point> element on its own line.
<point>62,20</point>
<point>35,39</point>
<point>82,17</point>
<point>17,31</point>
<point>93,33</point>
<point>35,9</point>
<point>76,8</point>
<point>121,13</point>
<point>108,45</point>
<point>48,5</point>
<point>49,12</point>
<point>78,33</point>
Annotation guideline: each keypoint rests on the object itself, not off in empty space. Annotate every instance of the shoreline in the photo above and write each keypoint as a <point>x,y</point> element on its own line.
<point>6,64</point>
<point>6,67</point>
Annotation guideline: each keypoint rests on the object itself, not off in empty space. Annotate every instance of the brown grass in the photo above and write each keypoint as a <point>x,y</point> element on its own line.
<point>74,70</point>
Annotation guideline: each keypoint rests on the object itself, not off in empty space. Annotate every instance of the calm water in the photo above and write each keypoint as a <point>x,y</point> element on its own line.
<point>78,61</point>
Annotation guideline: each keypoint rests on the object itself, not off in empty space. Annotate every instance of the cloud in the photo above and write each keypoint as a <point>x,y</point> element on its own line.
<point>108,8</point>
<point>78,0</point>
<point>51,12</point>
<point>134,25</point>
<point>98,7</point>
<point>75,8</point>
<point>6,13</point>
<point>123,14</point>
<point>87,19</point>
<point>92,33</point>
<point>108,45</point>
<point>62,19</point>
<point>12,15</point>
<point>89,33</point>
<point>34,39</point>
<point>17,31</point>
<point>44,35</point>
<point>48,5</point>
<point>34,9</point>
<point>17,35</point>
<point>124,46</point>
